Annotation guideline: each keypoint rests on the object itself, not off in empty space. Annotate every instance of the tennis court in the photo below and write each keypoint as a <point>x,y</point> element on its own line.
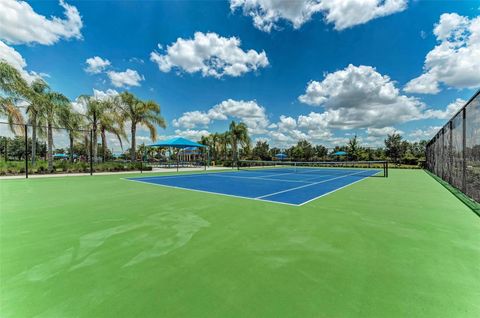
<point>287,183</point>
<point>101,246</point>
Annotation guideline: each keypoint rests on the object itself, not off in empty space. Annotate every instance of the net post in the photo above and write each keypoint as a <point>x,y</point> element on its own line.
<point>386,169</point>
<point>26,152</point>
<point>91,152</point>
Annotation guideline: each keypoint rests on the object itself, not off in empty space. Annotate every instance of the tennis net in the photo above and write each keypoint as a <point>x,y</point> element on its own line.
<point>356,168</point>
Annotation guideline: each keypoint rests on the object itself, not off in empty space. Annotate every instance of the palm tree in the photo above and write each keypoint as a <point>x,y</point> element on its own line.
<point>111,122</point>
<point>94,111</point>
<point>215,137</point>
<point>239,135</point>
<point>73,122</point>
<point>37,103</point>
<point>224,140</point>
<point>49,117</point>
<point>140,112</point>
<point>12,88</point>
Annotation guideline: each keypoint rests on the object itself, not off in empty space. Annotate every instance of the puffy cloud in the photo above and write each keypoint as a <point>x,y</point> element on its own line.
<point>210,54</point>
<point>266,14</point>
<point>12,57</point>
<point>192,119</point>
<point>20,24</point>
<point>249,112</point>
<point>125,79</point>
<point>286,123</point>
<point>96,65</point>
<point>191,133</point>
<point>382,132</point>
<point>360,97</point>
<point>424,134</point>
<point>451,109</point>
<point>455,60</point>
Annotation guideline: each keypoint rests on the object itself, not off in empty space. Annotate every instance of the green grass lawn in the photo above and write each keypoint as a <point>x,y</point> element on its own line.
<point>104,247</point>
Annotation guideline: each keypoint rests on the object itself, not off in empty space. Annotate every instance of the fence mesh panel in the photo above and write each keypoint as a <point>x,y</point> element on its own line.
<point>454,153</point>
<point>472,148</point>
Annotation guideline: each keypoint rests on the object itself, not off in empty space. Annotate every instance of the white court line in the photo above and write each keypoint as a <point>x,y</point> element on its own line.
<point>317,197</point>
<point>210,192</point>
<point>308,185</point>
<point>261,178</point>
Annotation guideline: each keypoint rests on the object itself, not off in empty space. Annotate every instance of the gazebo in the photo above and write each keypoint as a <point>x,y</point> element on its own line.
<point>179,143</point>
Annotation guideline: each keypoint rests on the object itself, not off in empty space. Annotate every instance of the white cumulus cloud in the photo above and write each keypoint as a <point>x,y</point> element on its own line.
<point>449,111</point>
<point>455,60</point>
<point>360,97</point>
<point>20,24</point>
<point>191,133</point>
<point>266,14</point>
<point>96,65</point>
<point>15,59</point>
<point>209,54</point>
<point>248,112</point>
<point>125,79</point>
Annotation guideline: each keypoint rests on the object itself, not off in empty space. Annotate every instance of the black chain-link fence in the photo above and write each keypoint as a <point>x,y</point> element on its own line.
<point>454,153</point>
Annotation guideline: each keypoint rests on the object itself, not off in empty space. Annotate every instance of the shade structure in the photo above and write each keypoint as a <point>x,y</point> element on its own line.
<point>281,156</point>
<point>178,142</point>
<point>60,155</point>
<point>340,153</point>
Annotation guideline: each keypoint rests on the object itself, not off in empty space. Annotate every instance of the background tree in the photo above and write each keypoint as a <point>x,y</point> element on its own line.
<point>49,117</point>
<point>12,88</point>
<point>261,150</point>
<point>239,136</point>
<point>393,147</point>
<point>138,112</point>
<point>37,105</point>
<point>74,123</point>
<point>353,148</point>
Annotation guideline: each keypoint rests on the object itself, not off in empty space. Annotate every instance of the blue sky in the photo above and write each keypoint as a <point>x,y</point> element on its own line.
<point>312,69</point>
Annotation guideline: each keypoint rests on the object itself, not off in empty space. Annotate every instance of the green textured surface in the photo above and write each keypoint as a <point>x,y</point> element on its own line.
<point>105,247</point>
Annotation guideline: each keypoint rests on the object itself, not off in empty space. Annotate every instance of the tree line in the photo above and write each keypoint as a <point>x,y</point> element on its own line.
<point>46,110</point>
<point>224,148</point>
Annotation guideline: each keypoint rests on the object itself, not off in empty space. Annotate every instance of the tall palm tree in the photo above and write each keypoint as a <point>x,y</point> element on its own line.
<point>94,111</point>
<point>12,88</point>
<point>215,137</point>
<point>49,117</point>
<point>37,104</point>
<point>110,122</point>
<point>138,112</point>
<point>239,136</point>
<point>224,140</point>
<point>73,122</point>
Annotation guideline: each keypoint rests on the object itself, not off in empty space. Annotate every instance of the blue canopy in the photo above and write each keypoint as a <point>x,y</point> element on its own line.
<point>281,156</point>
<point>60,155</point>
<point>178,142</point>
<point>340,153</point>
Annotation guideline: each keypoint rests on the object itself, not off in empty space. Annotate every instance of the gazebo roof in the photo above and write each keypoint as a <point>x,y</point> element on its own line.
<point>177,142</point>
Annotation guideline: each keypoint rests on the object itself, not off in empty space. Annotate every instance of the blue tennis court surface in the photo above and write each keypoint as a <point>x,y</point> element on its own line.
<point>275,185</point>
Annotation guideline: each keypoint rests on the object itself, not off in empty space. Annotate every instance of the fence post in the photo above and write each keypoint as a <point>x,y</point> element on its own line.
<point>26,151</point>
<point>6,149</point>
<point>450,151</point>
<point>464,150</point>
<point>91,152</point>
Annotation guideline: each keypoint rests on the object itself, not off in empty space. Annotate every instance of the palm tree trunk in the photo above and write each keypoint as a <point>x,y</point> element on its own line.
<point>87,150</point>
<point>104,144</point>
<point>34,138</point>
<point>133,143</point>
<point>95,145</point>
<point>50,147</point>
<point>234,150</point>
<point>70,136</point>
